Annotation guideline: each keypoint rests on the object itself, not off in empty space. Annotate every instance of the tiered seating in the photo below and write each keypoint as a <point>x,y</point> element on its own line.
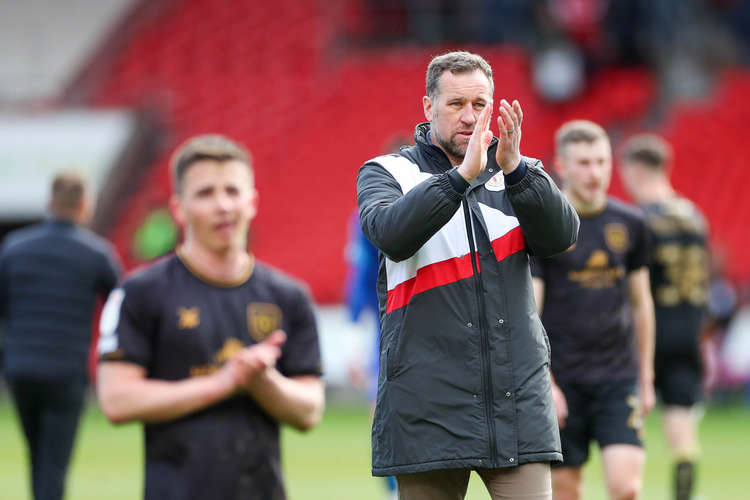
<point>311,117</point>
<point>711,166</point>
<point>238,71</point>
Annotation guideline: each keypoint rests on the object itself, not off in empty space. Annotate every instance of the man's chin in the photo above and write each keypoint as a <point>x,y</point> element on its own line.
<point>454,150</point>
<point>220,246</point>
<point>460,146</point>
<point>457,151</point>
<point>594,199</point>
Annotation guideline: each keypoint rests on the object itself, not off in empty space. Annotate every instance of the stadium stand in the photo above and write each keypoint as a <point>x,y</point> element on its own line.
<point>41,54</point>
<point>316,87</point>
<point>310,114</point>
<point>711,166</point>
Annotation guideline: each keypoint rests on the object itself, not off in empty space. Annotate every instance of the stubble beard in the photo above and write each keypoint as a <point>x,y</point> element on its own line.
<point>456,150</point>
<point>450,146</point>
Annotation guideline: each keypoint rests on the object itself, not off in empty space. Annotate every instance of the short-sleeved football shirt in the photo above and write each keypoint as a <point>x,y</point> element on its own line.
<point>587,311</point>
<point>176,324</point>
<point>679,274</point>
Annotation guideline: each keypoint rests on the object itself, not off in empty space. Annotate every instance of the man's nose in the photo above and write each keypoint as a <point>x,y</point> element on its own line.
<point>598,170</point>
<point>468,116</point>
<point>222,202</point>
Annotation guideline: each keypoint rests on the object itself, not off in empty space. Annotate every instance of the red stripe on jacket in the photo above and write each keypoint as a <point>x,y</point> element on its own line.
<point>450,270</point>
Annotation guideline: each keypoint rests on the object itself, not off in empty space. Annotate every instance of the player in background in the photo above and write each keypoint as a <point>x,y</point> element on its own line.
<point>679,283</point>
<point>595,303</point>
<point>210,349</point>
<point>51,275</point>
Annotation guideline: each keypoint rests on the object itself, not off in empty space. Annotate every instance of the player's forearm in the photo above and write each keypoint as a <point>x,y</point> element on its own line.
<point>538,286</point>
<point>643,317</point>
<point>152,401</point>
<point>644,326</point>
<point>298,402</point>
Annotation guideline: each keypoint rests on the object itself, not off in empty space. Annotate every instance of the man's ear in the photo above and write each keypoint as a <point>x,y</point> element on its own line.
<point>253,203</point>
<point>427,106</point>
<point>175,208</point>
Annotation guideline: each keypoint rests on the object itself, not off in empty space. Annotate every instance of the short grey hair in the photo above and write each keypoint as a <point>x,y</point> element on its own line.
<point>456,63</point>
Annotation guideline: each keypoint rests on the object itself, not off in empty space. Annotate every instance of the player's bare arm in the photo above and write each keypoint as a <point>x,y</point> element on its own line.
<point>539,287</point>
<point>508,154</point>
<point>127,394</point>
<point>297,401</point>
<point>643,315</point>
<point>256,358</point>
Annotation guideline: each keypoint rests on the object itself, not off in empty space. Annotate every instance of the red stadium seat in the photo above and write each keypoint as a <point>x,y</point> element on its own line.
<point>310,114</point>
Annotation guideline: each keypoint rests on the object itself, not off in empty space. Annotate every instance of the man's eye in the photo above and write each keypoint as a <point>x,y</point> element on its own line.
<point>479,105</point>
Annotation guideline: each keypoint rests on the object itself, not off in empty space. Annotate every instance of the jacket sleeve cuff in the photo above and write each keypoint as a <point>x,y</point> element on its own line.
<point>457,182</point>
<point>517,175</point>
<point>446,186</point>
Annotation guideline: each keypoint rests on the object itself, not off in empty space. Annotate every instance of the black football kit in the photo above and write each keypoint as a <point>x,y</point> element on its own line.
<point>589,321</point>
<point>679,281</point>
<point>176,325</point>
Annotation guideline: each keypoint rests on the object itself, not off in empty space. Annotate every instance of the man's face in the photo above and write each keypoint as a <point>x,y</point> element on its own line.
<point>586,168</point>
<point>454,110</point>
<point>217,203</point>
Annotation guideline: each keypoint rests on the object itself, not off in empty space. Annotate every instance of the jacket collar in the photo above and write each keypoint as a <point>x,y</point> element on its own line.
<point>59,222</point>
<point>436,155</point>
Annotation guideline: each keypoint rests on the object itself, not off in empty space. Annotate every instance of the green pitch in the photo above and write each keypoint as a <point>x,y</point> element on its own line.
<point>333,461</point>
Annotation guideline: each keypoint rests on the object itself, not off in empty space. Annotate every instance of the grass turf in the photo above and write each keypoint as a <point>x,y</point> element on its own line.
<point>333,461</point>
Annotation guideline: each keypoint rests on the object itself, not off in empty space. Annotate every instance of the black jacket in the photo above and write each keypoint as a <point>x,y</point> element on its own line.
<point>464,361</point>
<point>50,277</point>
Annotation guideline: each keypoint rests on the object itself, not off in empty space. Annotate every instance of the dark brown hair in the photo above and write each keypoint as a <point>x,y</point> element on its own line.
<point>649,150</point>
<point>67,193</point>
<point>205,147</point>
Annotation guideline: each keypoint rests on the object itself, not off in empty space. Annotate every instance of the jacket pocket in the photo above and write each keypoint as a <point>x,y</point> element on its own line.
<point>393,365</point>
<point>390,352</point>
<point>390,365</point>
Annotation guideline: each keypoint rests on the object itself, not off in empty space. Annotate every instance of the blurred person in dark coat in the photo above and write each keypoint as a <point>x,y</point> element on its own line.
<point>51,275</point>
<point>680,285</point>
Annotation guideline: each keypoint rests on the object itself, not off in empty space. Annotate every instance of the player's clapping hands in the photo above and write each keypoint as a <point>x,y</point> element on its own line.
<point>240,371</point>
<point>256,359</point>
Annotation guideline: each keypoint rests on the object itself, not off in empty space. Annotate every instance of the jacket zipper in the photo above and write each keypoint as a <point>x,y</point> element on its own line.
<point>484,333</point>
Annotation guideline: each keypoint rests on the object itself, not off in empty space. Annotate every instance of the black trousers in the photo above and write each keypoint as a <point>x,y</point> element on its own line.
<point>49,411</point>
